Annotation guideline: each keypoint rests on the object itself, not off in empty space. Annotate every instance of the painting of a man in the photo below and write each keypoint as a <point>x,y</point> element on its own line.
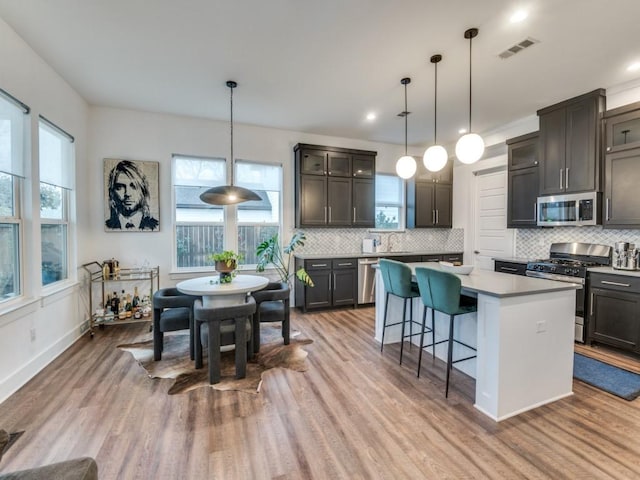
<point>132,195</point>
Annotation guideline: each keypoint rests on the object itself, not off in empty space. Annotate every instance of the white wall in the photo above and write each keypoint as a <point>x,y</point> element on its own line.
<point>54,316</point>
<point>117,133</point>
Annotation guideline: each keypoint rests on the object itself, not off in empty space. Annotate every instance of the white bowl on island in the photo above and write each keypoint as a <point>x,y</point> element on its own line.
<point>459,269</point>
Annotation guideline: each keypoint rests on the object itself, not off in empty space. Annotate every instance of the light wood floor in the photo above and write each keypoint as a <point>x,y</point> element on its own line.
<point>354,414</point>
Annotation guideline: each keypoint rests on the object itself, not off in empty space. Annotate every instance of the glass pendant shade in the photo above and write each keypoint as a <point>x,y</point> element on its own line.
<point>469,148</point>
<point>435,158</point>
<point>406,167</point>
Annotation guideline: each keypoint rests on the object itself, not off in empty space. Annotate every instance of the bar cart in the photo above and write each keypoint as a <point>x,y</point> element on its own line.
<point>102,282</point>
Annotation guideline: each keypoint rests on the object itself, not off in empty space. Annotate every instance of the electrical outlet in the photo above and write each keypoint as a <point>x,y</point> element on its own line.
<point>541,326</point>
<point>32,332</point>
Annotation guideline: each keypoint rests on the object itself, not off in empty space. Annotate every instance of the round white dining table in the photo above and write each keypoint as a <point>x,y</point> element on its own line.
<point>216,294</point>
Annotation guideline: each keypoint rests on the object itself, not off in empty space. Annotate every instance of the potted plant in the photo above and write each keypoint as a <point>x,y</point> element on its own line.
<point>269,252</point>
<point>226,263</point>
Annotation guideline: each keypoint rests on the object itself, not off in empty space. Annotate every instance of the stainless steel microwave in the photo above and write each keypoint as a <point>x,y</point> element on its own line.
<point>575,209</point>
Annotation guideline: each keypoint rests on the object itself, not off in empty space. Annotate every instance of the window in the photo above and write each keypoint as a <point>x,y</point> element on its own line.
<point>258,220</point>
<point>13,139</point>
<point>390,203</point>
<point>199,226</point>
<point>56,184</point>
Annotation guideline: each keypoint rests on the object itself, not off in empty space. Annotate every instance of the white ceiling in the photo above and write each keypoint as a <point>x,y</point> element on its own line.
<point>320,66</point>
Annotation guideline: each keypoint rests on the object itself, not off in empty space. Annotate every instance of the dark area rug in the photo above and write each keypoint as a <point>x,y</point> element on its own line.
<point>176,363</point>
<point>614,380</point>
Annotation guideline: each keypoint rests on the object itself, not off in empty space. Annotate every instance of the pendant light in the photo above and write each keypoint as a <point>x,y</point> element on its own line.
<point>470,147</point>
<point>406,165</point>
<point>229,194</point>
<point>435,157</point>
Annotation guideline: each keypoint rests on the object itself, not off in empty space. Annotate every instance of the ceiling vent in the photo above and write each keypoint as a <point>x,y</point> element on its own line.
<point>518,47</point>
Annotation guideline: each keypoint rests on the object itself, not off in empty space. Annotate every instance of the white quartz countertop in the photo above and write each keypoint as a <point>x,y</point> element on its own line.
<point>404,253</point>
<point>613,271</point>
<point>502,284</point>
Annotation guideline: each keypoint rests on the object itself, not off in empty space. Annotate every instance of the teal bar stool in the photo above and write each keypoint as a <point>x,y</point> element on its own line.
<point>441,291</point>
<point>396,277</point>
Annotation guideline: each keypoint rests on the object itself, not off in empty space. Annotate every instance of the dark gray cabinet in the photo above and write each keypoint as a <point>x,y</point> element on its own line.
<point>614,311</point>
<point>621,206</point>
<point>335,283</point>
<point>513,268</point>
<point>522,191</point>
<point>430,198</point>
<point>334,187</point>
<point>570,144</point>
<point>622,127</point>
<point>621,199</point>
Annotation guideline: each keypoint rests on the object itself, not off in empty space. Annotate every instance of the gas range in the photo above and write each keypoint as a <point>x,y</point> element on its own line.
<point>568,262</point>
<point>574,271</point>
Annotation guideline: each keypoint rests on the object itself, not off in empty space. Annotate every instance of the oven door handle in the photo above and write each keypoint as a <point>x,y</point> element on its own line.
<point>557,278</point>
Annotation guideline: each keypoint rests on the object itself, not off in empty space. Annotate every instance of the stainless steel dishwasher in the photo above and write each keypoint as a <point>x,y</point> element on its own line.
<point>366,280</point>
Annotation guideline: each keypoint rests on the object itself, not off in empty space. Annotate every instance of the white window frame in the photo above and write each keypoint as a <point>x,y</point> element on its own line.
<point>402,212</point>
<point>67,190</point>
<point>280,207</point>
<point>174,262</point>
<point>16,219</point>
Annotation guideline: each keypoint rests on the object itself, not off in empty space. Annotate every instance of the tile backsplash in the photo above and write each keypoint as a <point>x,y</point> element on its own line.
<point>349,240</point>
<point>535,242</point>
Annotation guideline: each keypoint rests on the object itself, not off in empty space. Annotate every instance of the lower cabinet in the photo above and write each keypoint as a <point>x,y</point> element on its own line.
<point>335,280</point>
<point>614,311</point>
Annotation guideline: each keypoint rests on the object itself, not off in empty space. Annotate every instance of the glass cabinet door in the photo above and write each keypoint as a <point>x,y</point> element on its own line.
<point>623,131</point>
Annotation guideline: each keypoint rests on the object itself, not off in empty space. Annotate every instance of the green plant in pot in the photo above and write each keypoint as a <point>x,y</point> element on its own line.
<point>270,252</point>
<point>226,263</point>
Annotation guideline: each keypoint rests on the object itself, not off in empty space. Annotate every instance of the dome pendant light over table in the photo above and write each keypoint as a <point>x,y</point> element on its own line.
<point>229,194</point>
<point>406,165</point>
<point>470,147</point>
<point>435,157</point>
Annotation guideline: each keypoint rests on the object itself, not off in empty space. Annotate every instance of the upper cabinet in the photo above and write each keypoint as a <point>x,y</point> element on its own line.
<point>570,145</point>
<point>622,127</point>
<point>430,197</point>
<point>622,167</point>
<point>523,181</point>
<point>335,187</point>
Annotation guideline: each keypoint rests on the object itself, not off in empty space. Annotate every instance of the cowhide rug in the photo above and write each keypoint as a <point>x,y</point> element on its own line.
<point>176,363</point>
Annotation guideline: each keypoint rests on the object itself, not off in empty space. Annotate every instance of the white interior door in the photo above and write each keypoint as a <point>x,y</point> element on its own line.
<point>492,238</point>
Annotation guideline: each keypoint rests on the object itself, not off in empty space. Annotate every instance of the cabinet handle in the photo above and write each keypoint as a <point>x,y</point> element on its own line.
<point>606,209</point>
<point>333,282</point>
<point>535,211</point>
<point>509,269</point>
<point>566,179</point>
<point>591,306</point>
<point>329,214</point>
<point>561,179</point>
<point>437,216</point>
<point>354,214</point>
<point>318,264</point>
<point>348,264</point>
<point>433,216</point>
<point>325,214</point>
<point>617,284</point>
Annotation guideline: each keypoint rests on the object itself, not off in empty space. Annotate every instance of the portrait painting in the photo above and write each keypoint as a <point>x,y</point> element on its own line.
<point>131,201</point>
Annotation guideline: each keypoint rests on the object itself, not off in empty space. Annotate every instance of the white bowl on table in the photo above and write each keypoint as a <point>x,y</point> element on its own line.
<point>459,269</point>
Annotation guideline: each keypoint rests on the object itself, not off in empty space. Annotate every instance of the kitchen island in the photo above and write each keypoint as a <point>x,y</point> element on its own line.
<point>523,331</point>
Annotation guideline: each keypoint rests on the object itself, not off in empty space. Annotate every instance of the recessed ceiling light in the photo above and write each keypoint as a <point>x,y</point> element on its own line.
<point>462,131</point>
<point>634,67</point>
<point>371,116</point>
<point>518,16</point>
